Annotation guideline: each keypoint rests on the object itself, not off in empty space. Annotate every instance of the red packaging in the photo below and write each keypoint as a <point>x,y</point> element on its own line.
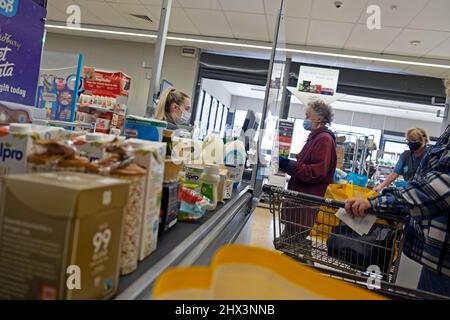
<point>103,122</point>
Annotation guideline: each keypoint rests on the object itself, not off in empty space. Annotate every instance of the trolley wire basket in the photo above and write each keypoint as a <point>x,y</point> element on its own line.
<point>330,243</point>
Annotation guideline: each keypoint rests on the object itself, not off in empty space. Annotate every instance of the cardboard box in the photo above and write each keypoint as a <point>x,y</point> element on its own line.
<point>340,151</point>
<point>170,206</point>
<point>151,156</point>
<point>60,236</point>
<point>16,144</point>
<point>144,128</point>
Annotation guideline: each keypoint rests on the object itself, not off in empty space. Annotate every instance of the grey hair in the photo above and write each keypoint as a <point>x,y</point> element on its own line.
<point>322,109</point>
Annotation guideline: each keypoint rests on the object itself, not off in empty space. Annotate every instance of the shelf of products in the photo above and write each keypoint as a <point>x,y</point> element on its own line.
<point>177,243</point>
<point>126,194</point>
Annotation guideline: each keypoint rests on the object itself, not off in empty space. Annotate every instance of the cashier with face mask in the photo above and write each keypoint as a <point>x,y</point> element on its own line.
<point>174,107</point>
<point>316,163</point>
<point>409,161</point>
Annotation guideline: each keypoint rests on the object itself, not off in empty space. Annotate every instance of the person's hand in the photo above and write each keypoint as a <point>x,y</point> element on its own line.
<point>378,188</point>
<point>357,207</point>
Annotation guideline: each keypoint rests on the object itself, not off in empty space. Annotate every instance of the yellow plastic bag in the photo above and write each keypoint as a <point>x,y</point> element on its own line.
<point>248,273</point>
<point>326,219</point>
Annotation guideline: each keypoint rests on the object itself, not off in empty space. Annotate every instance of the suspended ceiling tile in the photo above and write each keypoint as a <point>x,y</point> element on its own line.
<point>435,16</point>
<point>200,4</point>
<point>350,12</point>
<point>110,16</point>
<point>180,23</point>
<point>248,6</point>
<point>328,34</point>
<point>298,8</point>
<point>210,22</point>
<point>441,52</point>
<point>371,40</point>
<point>248,26</point>
<point>429,40</point>
<point>296,30</point>
<point>405,11</point>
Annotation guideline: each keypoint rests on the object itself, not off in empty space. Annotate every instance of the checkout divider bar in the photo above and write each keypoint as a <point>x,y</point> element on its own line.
<point>223,216</point>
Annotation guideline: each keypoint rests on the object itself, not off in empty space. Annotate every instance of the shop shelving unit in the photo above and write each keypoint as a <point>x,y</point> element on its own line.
<point>357,148</point>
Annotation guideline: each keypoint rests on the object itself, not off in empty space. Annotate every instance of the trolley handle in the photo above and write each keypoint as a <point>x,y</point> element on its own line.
<point>324,201</point>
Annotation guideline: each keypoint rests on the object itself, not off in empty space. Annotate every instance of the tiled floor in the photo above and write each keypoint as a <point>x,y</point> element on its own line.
<point>259,232</point>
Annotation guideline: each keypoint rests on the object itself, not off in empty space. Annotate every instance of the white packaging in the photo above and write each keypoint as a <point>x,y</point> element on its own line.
<point>151,156</point>
<point>93,145</point>
<point>17,145</point>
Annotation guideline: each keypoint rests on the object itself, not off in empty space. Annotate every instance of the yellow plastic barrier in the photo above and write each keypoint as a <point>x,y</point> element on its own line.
<point>249,273</point>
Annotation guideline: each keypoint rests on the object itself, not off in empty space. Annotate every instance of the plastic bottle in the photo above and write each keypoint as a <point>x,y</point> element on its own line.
<point>209,184</point>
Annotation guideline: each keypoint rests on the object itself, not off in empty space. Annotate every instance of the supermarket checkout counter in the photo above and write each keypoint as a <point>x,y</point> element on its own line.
<point>190,244</point>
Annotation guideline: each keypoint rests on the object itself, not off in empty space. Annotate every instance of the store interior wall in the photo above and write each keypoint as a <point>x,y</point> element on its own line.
<point>128,57</point>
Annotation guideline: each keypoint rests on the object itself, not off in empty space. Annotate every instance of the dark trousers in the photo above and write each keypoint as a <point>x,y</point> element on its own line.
<point>432,282</point>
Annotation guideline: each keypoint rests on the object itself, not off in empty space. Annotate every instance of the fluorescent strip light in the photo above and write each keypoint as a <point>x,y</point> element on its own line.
<point>132,34</point>
<point>339,55</point>
<point>250,46</point>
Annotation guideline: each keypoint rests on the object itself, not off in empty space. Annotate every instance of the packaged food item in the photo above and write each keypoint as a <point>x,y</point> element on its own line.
<point>103,122</point>
<point>144,128</point>
<point>121,164</point>
<point>193,172</point>
<point>150,156</point>
<point>50,249</point>
<point>93,145</point>
<point>17,143</point>
<point>167,138</point>
<point>133,216</point>
<point>55,156</point>
<point>172,168</point>
<point>213,149</point>
<point>170,206</point>
<point>209,184</point>
<point>193,205</point>
<point>235,173</point>
<point>221,187</point>
<point>228,189</point>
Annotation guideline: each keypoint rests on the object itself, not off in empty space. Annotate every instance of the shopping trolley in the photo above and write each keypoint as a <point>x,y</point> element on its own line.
<point>306,229</point>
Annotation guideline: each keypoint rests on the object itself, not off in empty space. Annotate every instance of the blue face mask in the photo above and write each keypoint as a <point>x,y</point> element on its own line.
<point>307,125</point>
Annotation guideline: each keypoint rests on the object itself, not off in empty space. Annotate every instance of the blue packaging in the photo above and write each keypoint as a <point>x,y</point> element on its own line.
<point>144,128</point>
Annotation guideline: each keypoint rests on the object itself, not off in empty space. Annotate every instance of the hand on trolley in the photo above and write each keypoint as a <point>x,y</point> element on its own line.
<point>357,207</point>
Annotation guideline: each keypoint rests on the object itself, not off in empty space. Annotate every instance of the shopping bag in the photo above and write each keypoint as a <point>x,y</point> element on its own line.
<point>248,273</point>
<point>326,219</point>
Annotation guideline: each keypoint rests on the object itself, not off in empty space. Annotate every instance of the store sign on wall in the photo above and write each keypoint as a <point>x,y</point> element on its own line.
<point>318,80</point>
<point>21,40</point>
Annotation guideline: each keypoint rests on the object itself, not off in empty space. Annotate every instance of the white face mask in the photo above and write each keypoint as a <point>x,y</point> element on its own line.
<point>185,117</point>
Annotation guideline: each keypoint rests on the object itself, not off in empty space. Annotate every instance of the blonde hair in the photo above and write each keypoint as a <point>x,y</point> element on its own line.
<point>169,96</point>
<point>419,133</point>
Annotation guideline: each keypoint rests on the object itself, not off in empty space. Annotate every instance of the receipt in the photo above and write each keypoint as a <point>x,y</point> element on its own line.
<point>361,225</point>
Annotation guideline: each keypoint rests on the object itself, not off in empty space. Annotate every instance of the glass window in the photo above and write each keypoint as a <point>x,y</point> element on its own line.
<point>224,120</point>
<point>205,114</point>
<point>239,119</point>
<point>200,105</point>
<point>218,120</point>
<point>212,116</point>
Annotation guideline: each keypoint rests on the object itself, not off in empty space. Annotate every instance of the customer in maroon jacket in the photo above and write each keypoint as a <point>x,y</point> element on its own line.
<point>314,169</point>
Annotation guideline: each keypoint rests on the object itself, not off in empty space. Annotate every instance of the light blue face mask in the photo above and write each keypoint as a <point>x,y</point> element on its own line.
<point>307,125</point>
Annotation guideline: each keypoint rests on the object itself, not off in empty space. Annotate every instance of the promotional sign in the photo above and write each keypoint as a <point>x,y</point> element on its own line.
<point>318,80</point>
<point>285,132</point>
<point>21,40</point>
<point>106,83</point>
<point>58,84</point>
